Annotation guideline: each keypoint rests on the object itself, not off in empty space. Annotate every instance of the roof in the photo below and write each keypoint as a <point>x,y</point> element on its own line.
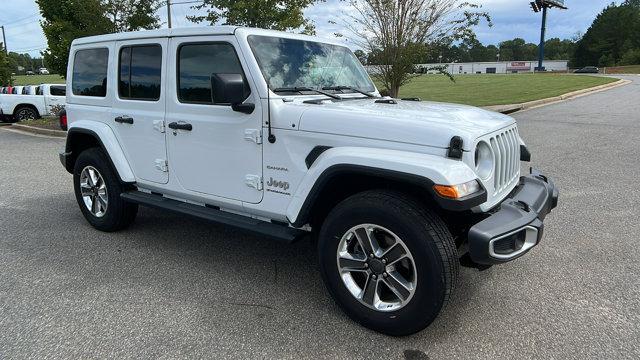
<point>146,34</point>
<point>196,31</point>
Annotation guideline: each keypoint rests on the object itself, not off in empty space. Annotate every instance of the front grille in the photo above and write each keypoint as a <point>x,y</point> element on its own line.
<point>506,149</point>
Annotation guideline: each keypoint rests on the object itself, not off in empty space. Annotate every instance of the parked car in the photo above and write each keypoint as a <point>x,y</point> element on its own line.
<point>7,90</point>
<point>229,125</point>
<point>47,99</point>
<point>29,90</point>
<point>17,90</point>
<point>43,71</point>
<point>587,70</point>
<point>62,118</point>
<point>29,72</point>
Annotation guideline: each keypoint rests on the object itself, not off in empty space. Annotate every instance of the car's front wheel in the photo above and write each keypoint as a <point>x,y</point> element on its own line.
<point>98,188</point>
<point>389,262</point>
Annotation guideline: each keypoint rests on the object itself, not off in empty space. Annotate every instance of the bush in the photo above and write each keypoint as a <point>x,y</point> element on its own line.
<point>631,57</point>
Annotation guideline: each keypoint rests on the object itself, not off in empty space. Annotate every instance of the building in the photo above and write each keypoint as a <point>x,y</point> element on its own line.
<point>503,67</point>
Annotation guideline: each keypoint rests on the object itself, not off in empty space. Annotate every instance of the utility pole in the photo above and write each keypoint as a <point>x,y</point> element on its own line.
<point>169,13</point>
<point>4,40</point>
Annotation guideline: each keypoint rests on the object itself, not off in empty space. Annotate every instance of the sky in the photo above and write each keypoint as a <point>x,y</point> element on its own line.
<point>511,18</point>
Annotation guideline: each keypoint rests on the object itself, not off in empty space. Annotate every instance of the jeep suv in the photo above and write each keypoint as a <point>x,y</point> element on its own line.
<point>283,135</point>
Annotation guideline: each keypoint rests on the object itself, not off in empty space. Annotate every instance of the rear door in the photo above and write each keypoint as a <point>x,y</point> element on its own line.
<point>139,106</point>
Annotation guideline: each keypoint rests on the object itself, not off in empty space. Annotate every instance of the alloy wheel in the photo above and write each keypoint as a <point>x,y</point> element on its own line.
<point>376,267</point>
<point>94,191</point>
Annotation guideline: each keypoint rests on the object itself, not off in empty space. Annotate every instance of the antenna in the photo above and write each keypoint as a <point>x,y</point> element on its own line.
<point>271,137</point>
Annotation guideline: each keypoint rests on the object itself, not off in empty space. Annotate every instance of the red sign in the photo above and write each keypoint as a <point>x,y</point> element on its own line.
<point>519,65</point>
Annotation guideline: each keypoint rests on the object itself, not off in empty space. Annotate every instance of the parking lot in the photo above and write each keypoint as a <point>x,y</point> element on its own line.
<point>171,286</point>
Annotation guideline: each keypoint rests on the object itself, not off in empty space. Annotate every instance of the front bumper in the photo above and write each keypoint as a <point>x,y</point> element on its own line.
<point>517,226</point>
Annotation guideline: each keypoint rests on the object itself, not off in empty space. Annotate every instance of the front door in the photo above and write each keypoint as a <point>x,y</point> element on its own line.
<point>139,107</point>
<point>213,151</point>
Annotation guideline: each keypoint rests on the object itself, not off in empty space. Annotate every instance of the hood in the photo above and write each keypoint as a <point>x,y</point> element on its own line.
<point>413,122</point>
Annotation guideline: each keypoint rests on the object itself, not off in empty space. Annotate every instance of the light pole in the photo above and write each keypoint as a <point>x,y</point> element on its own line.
<point>169,13</point>
<point>543,5</point>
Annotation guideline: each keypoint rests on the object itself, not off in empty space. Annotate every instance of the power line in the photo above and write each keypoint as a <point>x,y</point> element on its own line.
<point>21,19</point>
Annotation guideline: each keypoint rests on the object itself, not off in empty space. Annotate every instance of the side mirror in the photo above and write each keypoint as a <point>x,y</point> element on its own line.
<point>230,89</point>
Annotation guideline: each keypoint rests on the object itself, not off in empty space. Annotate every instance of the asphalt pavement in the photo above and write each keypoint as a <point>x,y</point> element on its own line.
<point>175,287</point>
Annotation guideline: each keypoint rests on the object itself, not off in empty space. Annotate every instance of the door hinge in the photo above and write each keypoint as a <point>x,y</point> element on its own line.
<point>254,181</point>
<point>159,125</point>
<point>162,165</point>
<point>254,135</point>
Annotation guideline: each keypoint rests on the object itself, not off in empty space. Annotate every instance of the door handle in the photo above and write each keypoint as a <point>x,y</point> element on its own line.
<point>180,126</point>
<point>124,120</point>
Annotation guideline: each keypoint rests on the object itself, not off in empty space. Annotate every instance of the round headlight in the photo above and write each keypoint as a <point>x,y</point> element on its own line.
<point>484,160</point>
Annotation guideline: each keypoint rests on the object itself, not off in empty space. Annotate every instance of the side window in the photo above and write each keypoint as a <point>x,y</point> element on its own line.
<point>58,90</point>
<point>25,91</point>
<point>39,90</point>
<point>140,72</point>
<point>196,64</point>
<point>90,72</point>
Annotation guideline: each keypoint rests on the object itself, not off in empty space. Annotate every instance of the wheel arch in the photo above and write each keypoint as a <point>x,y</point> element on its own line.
<point>341,172</point>
<point>83,135</point>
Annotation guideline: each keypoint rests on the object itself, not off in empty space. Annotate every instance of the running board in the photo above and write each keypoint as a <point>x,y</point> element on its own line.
<point>257,227</point>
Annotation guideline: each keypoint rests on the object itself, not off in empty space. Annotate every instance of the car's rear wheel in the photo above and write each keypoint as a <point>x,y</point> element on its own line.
<point>25,113</point>
<point>98,188</point>
<point>389,262</point>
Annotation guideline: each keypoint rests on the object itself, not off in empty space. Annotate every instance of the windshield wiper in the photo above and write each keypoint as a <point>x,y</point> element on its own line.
<point>338,88</point>
<point>301,89</point>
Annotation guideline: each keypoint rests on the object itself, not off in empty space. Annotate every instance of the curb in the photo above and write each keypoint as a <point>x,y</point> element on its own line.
<point>39,131</point>
<point>511,108</point>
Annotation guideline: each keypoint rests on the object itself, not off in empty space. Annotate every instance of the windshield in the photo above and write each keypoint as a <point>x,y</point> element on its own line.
<point>289,63</point>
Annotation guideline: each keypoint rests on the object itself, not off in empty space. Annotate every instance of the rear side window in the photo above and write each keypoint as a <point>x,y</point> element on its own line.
<point>58,90</point>
<point>90,72</point>
<point>139,77</point>
<point>196,64</point>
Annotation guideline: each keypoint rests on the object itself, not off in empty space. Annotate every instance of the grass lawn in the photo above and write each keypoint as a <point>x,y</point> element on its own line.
<point>46,122</point>
<point>37,79</point>
<point>486,89</point>
<point>632,69</point>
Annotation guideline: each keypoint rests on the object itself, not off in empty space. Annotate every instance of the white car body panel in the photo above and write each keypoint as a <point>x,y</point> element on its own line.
<point>210,164</point>
<point>111,145</point>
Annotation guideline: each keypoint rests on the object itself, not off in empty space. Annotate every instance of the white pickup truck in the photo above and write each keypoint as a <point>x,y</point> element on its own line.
<point>48,98</point>
<point>281,135</point>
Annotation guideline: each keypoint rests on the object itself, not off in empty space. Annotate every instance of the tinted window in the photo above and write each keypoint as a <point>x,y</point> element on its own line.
<point>140,72</point>
<point>197,62</point>
<point>25,91</point>
<point>90,72</point>
<point>39,90</point>
<point>58,90</point>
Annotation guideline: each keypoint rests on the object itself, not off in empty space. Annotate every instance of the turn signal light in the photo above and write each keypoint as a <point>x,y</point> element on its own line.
<point>457,191</point>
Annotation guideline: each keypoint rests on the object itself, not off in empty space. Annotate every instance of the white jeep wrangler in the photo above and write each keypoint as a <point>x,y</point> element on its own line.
<point>282,135</point>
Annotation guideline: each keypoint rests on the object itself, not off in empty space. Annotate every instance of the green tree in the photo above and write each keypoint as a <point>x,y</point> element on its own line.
<point>132,15</point>
<point>266,14</point>
<point>5,69</point>
<point>399,31</point>
<point>614,33</point>
<point>66,20</point>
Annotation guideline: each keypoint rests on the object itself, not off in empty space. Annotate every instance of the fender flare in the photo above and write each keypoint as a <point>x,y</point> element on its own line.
<point>424,170</point>
<point>108,142</point>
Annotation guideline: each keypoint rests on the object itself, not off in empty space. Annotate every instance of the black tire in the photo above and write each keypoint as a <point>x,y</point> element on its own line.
<point>426,237</point>
<point>24,113</point>
<point>118,214</point>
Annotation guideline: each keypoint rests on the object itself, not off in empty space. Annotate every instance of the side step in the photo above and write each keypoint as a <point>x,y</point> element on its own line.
<point>257,227</point>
